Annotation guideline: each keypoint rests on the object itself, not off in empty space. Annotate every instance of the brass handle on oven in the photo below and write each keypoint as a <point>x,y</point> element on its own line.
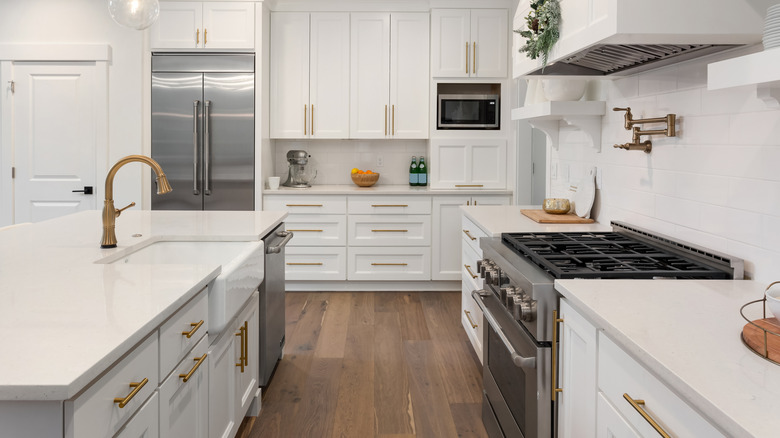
<point>637,404</point>
<point>195,326</point>
<point>468,268</point>
<point>471,321</point>
<point>136,387</point>
<point>466,232</point>
<point>555,388</point>
<point>198,360</point>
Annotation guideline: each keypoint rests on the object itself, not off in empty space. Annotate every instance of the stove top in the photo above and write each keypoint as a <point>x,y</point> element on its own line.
<point>608,255</point>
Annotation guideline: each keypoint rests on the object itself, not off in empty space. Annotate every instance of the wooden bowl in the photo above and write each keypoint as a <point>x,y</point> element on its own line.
<point>365,179</point>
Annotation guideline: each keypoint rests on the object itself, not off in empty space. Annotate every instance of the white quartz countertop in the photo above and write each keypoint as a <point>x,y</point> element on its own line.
<point>401,189</point>
<point>64,318</point>
<point>497,219</point>
<point>687,332</point>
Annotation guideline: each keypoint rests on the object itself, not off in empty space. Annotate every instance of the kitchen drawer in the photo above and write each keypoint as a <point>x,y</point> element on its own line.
<point>469,261</point>
<point>389,205</point>
<point>94,412</point>
<point>315,263</point>
<point>389,230</point>
<point>619,373</point>
<point>309,204</point>
<point>471,234</point>
<point>192,320</point>
<point>389,263</point>
<point>471,315</point>
<point>184,405</point>
<point>317,229</point>
<point>145,424</point>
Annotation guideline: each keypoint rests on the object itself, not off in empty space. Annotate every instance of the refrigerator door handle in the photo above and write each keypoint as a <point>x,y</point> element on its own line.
<point>195,158</point>
<point>207,149</point>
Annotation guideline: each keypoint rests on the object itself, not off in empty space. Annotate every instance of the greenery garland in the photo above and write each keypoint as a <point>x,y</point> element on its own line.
<point>541,32</point>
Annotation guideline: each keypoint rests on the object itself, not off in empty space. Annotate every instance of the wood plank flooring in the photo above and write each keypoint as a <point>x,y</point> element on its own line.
<point>373,364</point>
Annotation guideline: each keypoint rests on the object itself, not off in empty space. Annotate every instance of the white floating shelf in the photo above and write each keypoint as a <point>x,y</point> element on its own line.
<point>584,115</point>
<point>759,69</point>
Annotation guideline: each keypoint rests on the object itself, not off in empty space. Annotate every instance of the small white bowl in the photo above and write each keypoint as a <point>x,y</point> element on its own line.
<point>564,89</point>
<point>773,300</point>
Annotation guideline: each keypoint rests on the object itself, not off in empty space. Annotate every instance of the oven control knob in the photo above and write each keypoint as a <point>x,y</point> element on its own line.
<point>489,275</point>
<point>504,292</point>
<point>527,310</point>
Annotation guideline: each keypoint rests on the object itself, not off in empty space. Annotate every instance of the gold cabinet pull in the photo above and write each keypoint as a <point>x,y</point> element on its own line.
<point>304,264</point>
<point>304,205</point>
<point>385,119</point>
<point>468,268</point>
<point>392,126</point>
<point>466,232</point>
<point>312,119</point>
<point>467,57</point>
<point>197,36</point>
<point>205,36</point>
<point>305,119</point>
<point>241,334</point>
<point>246,343</point>
<point>389,205</point>
<point>474,59</point>
<point>198,361</point>
<point>195,326</point>
<point>136,387</point>
<point>637,404</point>
<point>389,264</point>
<point>471,321</point>
<point>389,231</point>
<point>469,185</point>
<point>305,231</point>
<point>555,389</point>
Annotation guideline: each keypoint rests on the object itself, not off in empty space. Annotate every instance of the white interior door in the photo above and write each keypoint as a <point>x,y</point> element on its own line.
<point>54,138</point>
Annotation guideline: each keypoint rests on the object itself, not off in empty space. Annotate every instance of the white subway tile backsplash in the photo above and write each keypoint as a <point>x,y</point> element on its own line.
<point>658,81</point>
<point>759,196</point>
<point>770,230</point>
<point>703,129</point>
<point>678,211</point>
<point>739,225</point>
<point>757,128</point>
<point>731,101</point>
<point>709,189</point>
<point>683,103</point>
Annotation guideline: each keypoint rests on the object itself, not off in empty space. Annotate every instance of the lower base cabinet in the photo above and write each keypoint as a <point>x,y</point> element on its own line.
<point>184,396</point>
<point>145,422</point>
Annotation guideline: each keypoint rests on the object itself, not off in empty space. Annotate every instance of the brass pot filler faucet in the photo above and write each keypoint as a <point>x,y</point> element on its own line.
<point>646,145</point>
<point>109,212</point>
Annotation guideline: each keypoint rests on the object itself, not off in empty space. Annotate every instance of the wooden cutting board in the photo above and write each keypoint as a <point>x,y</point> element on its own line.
<point>754,337</point>
<point>543,217</point>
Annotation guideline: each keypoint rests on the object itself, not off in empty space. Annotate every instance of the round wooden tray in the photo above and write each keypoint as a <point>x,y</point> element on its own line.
<point>762,336</point>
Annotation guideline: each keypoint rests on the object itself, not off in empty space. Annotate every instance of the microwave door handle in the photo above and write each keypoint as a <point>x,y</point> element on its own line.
<point>519,361</point>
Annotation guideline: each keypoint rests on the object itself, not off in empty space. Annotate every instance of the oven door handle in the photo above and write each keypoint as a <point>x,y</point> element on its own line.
<point>519,361</point>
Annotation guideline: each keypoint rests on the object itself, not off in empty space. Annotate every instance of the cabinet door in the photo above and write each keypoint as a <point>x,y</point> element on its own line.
<point>577,371</point>
<point>409,75</point>
<point>489,43</point>
<point>144,424</point>
<point>609,423</point>
<point>449,165</point>
<point>222,400</point>
<point>246,382</point>
<point>184,406</point>
<point>488,164</point>
<point>370,72</point>
<point>178,26</point>
<point>468,163</point>
<point>450,43</point>
<point>289,75</point>
<point>446,255</point>
<point>329,75</point>
<point>228,25</point>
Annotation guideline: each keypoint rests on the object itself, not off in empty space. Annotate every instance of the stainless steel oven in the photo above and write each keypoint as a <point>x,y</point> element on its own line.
<point>468,111</point>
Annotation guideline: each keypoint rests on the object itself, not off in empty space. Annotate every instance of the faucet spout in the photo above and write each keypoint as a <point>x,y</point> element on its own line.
<point>110,213</point>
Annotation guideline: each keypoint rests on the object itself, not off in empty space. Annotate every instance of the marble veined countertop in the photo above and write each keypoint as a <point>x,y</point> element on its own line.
<point>687,333</point>
<point>64,318</point>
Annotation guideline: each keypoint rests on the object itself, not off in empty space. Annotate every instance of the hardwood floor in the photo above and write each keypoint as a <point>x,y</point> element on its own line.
<point>373,364</point>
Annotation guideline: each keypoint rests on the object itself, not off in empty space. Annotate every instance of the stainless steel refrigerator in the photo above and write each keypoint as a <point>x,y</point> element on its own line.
<point>203,127</point>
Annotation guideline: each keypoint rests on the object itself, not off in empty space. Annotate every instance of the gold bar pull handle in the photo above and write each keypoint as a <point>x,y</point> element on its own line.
<point>389,205</point>
<point>474,59</point>
<point>468,268</point>
<point>467,58</point>
<point>306,231</point>
<point>466,232</point>
<point>197,36</point>
<point>469,185</point>
<point>471,321</point>
<point>389,231</point>
<point>303,205</point>
<point>392,126</point>
<point>304,264</point>
<point>195,326</point>
<point>312,119</point>
<point>305,118</point>
<point>555,389</point>
<point>136,387</point>
<point>389,264</point>
<point>205,36</point>
<point>637,404</point>
<point>385,119</point>
<point>241,334</point>
<point>246,343</point>
<point>198,360</point>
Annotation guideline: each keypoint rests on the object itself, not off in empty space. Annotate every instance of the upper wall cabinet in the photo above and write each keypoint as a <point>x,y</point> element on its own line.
<point>390,79</point>
<point>309,75</point>
<point>204,25</point>
<point>469,43</point>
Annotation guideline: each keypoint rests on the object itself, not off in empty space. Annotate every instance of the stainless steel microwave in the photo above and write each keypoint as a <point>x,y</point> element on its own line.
<point>468,111</point>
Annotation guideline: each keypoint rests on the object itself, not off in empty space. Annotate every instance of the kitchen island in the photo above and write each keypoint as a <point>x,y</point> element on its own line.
<point>65,319</point>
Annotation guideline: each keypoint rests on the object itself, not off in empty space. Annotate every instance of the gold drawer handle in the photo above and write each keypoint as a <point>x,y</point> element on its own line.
<point>466,232</point>
<point>468,268</point>
<point>389,205</point>
<point>304,264</point>
<point>136,387</point>
<point>306,231</point>
<point>198,360</point>
<point>637,404</point>
<point>304,205</point>
<point>389,231</point>
<point>471,321</point>
<point>469,185</point>
<point>195,326</point>
<point>389,264</point>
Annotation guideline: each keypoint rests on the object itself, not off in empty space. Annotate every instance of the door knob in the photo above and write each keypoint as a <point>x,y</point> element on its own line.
<point>87,190</point>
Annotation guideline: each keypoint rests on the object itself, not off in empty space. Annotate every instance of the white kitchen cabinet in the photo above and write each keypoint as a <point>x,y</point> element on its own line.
<point>577,375</point>
<point>316,262</point>
<point>610,424</point>
<point>380,263</point>
<point>468,163</point>
<point>309,75</point>
<point>184,406</point>
<point>389,230</point>
<point>390,78</point>
<point>145,423</point>
<point>204,25</point>
<point>469,43</point>
<point>471,317</point>
<point>246,377</point>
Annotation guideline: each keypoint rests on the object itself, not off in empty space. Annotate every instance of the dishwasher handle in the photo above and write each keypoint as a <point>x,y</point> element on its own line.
<point>278,248</point>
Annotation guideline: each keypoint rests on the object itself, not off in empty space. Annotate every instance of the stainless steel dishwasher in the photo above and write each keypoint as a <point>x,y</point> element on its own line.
<point>272,303</point>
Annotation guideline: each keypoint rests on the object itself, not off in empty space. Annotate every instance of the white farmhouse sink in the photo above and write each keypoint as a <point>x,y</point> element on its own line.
<point>242,270</point>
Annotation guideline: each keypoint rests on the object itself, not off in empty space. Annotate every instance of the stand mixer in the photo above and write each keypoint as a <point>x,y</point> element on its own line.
<point>300,173</point>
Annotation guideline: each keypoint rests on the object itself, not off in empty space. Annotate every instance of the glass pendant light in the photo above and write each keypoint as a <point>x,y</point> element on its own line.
<point>136,14</point>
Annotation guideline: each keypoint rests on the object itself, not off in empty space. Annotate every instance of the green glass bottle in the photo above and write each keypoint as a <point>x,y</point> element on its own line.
<point>422,178</point>
<point>413,173</point>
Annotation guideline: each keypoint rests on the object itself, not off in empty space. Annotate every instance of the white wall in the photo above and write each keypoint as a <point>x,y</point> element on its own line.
<point>88,21</point>
<point>717,184</point>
